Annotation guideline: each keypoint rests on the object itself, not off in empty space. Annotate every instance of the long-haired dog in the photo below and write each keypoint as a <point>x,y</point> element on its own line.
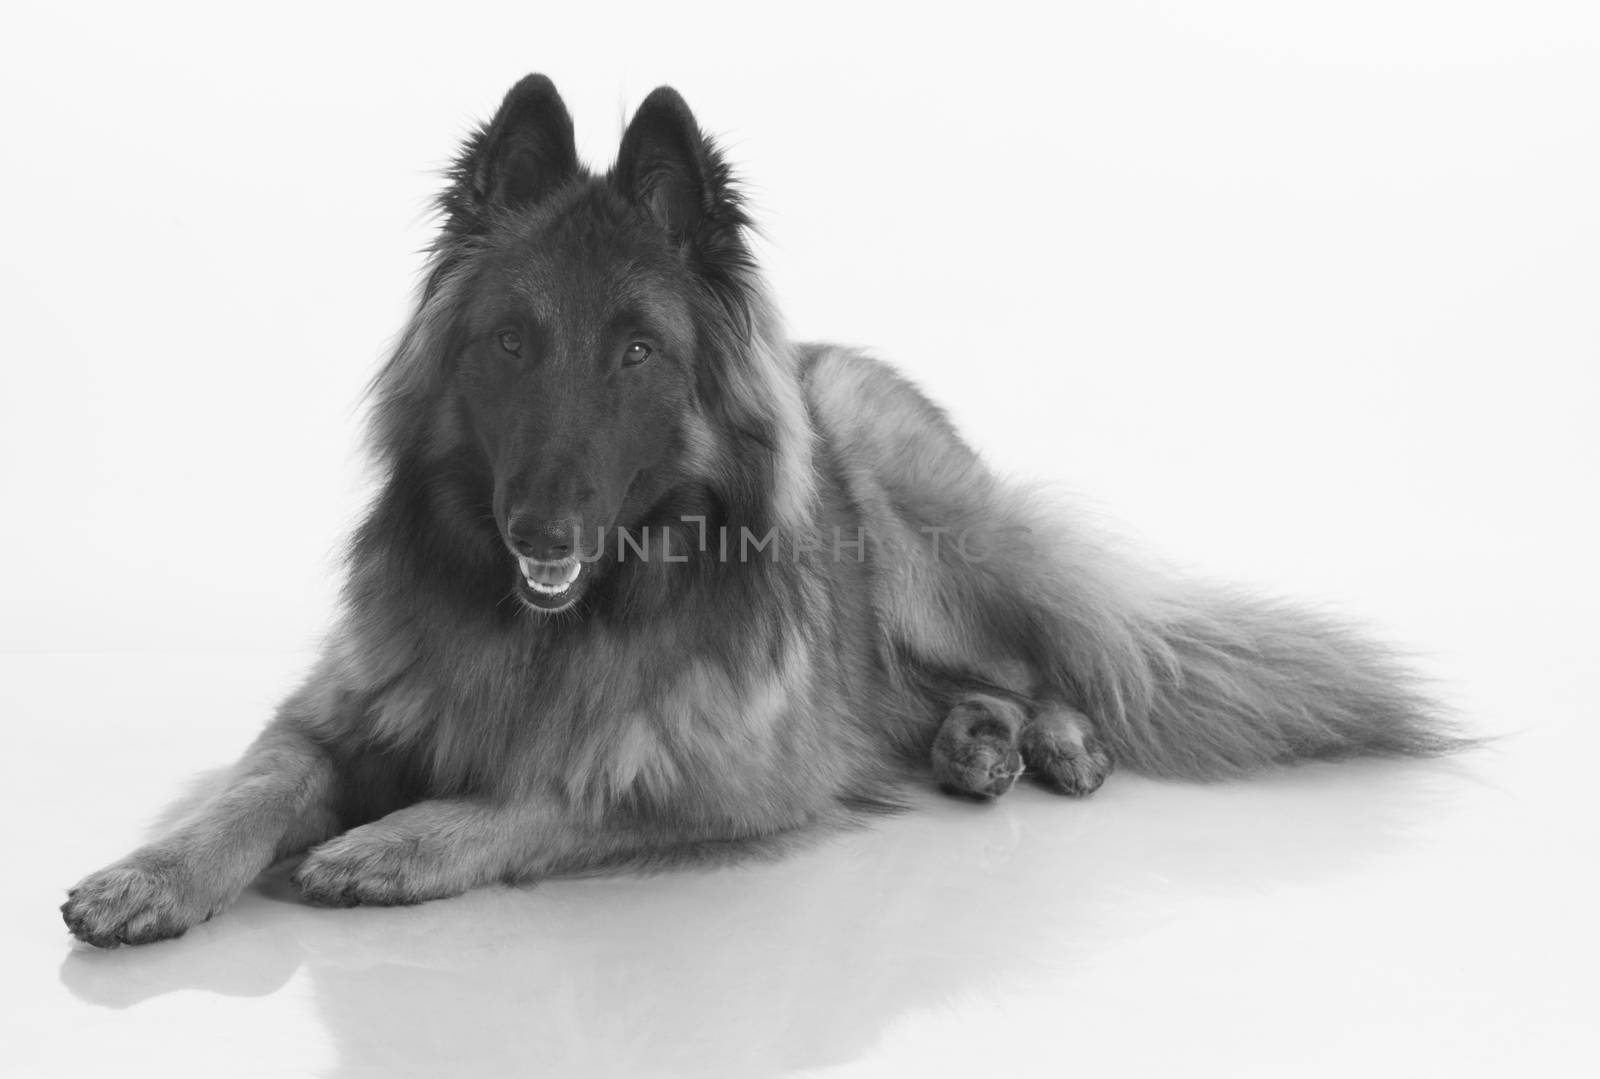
<point>645,580</point>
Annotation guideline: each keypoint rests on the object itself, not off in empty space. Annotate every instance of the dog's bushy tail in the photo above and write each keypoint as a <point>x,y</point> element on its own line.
<point>1200,682</point>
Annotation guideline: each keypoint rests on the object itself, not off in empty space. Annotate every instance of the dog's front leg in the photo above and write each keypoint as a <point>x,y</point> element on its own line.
<point>277,799</point>
<point>435,848</point>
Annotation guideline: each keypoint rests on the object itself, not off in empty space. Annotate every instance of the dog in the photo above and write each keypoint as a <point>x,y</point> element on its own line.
<point>645,582</point>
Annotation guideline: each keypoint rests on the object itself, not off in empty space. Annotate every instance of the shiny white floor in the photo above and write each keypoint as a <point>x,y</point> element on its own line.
<point>1372,918</point>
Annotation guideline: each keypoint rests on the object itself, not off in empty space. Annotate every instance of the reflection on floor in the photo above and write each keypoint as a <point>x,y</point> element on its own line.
<point>1315,916</point>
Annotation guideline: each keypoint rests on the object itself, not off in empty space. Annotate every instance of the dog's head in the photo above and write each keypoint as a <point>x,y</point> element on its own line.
<point>595,341</point>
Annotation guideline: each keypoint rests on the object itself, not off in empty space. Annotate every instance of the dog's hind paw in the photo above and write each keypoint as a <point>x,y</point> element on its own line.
<point>1061,750</point>
<point>975,753</point>
<point>137,901</point>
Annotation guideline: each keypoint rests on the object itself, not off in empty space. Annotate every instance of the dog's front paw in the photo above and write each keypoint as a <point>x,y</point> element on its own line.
<point>368,868</point>
<point>140,900</point>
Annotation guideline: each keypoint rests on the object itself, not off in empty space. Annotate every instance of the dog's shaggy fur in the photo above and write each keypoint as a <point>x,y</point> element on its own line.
<point>645,579</point>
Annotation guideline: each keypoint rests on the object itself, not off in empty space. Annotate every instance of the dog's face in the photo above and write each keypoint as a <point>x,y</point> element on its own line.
<point>576,377</point>
<point>577,335</point>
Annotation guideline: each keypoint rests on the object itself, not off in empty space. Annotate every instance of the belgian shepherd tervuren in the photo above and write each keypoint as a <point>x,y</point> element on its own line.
<point>647,581</point>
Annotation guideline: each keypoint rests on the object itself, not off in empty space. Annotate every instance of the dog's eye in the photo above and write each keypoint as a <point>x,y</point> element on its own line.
<point>635,354</point>
<point>511,341</point>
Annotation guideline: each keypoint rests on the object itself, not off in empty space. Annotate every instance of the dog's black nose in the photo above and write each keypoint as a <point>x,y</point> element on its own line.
<point>545,540</point>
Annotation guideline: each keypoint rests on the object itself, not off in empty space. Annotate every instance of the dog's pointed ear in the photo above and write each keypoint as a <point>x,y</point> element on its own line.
<point>673,171</point>
<point>517,159</point>
<point>676,176</point>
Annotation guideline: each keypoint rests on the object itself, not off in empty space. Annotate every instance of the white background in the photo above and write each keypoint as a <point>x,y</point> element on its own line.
<point>1299,295</point>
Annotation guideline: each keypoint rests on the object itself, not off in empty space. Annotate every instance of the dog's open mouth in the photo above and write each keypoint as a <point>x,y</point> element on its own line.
<point>550,586</point>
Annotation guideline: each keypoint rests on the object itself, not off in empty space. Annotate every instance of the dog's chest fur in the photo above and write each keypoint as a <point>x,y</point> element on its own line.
<point>753,726</point>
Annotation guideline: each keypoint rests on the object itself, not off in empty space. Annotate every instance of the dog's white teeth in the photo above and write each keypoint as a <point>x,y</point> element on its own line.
<point>549,578</point>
